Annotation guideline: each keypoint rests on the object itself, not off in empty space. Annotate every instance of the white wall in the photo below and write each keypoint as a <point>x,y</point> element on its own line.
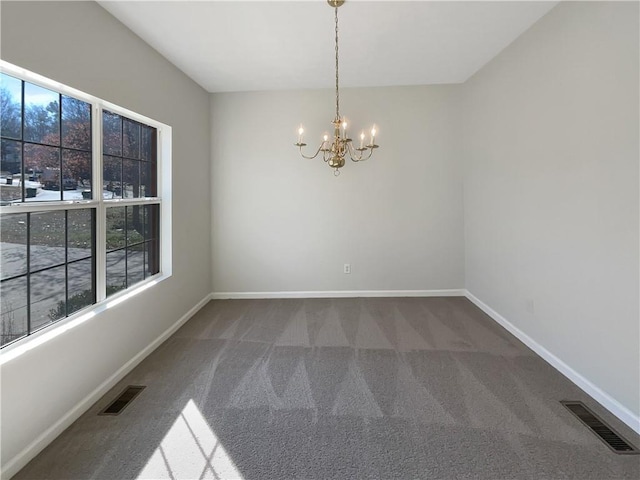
<point>81,45</point>
<point>551,190</point>
<point>282,223</point>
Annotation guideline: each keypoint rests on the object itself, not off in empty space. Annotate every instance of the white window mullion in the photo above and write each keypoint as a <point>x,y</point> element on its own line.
<point>164,192</point>
<point>101,211</point>
<point>31,207</point>
<point>123,202</point>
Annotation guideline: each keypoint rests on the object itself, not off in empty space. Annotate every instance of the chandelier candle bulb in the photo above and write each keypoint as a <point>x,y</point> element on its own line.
<point>300,132</point>
<point>362,139</point>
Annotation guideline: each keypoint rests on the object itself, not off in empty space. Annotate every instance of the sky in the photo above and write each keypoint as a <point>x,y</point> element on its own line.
<point>34,94</point>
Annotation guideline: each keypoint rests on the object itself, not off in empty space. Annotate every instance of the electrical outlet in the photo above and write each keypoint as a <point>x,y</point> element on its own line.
<point>529,306</point>
<point>347,268</point>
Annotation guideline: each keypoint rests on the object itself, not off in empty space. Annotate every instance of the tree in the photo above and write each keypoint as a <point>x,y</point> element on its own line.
<point>41,123</point>
<point>9,127</point>
<point>76,141</point>
<point>76,133</point>
<point>9,115</point>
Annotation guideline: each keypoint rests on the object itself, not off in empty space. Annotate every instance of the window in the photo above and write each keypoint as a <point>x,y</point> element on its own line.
<point>132,245</point>
<point>81,214</point>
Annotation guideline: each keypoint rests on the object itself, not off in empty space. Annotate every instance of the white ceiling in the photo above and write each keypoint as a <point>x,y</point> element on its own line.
<point>266,45</point>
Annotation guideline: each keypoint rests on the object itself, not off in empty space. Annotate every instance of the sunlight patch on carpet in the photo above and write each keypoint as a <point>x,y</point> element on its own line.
<point>190,449</point>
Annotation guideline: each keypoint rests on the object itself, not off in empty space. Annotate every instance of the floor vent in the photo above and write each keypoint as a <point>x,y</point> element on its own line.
<point>608,435</point>
<point>124,399</point>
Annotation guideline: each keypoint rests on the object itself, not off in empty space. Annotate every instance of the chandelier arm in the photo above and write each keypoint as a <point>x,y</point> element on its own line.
<point>369,155</point>
<point>314,155</point>
<point>360,157</point>
<point>355,157</point>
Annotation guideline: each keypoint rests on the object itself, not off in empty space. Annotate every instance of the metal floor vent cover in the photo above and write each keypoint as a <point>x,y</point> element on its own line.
<point>125,398</point>
<point>608,435</point>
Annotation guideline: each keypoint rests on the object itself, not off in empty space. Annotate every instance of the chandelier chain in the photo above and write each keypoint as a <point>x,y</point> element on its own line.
<point>337,77</point>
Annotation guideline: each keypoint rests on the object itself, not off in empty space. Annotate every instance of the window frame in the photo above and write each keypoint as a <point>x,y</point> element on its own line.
<point>100,204</point>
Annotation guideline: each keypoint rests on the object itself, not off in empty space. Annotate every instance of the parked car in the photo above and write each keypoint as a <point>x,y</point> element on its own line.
<point>51,180</point>
<point>69,183</point>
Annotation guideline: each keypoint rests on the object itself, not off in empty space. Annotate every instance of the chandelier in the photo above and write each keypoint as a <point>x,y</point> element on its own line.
<point>335,152</point>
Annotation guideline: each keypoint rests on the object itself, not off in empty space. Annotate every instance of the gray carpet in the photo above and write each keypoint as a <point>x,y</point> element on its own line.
<point>401,388</point>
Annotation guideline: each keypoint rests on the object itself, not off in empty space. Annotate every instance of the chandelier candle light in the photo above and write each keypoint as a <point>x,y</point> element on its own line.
<point>334,152</point>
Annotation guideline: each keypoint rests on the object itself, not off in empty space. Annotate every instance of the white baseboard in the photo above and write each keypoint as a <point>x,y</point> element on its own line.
<point>603,398</point>
<point>14,465</point>
<point>341,294</point>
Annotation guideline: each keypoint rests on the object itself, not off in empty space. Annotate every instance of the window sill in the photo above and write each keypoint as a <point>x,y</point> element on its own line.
<point>50,331</point>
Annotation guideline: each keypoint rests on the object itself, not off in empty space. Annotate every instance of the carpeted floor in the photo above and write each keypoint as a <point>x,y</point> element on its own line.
<point>400,388</point>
